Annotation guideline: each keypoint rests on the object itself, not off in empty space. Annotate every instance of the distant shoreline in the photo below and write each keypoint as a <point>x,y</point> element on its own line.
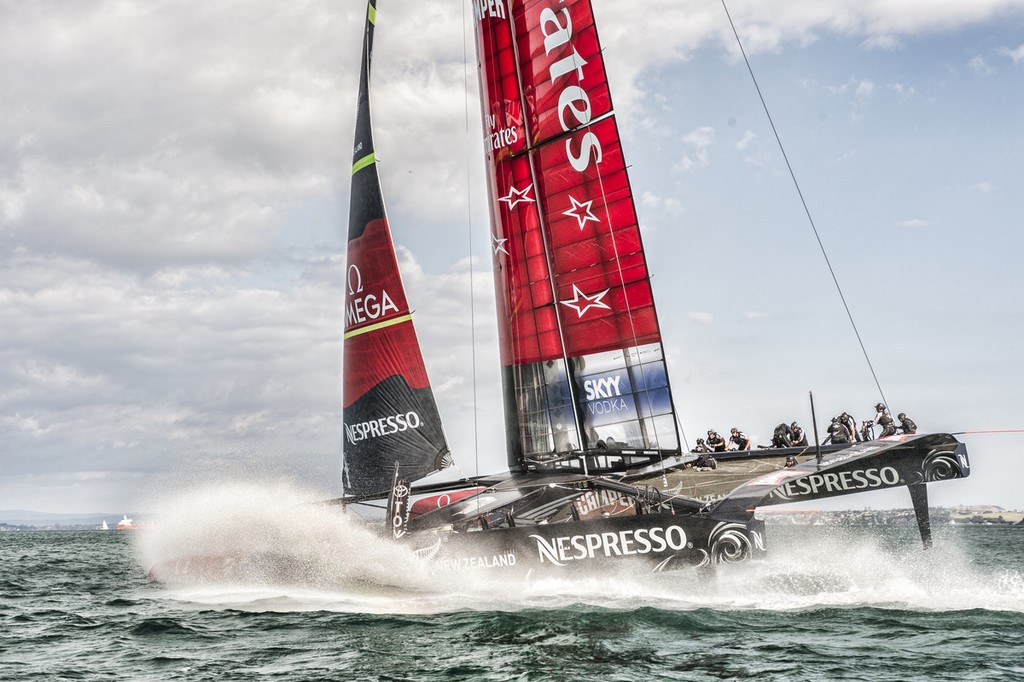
<point>990,515</point>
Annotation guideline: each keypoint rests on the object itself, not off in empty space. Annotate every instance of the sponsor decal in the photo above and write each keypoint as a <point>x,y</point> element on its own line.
<point>385,426</point>
<point>499,246</point>
<point>561,550</point>
<point>602,388</point>
<point>367,306</point>
<point>839,482</point>
<point>581,303</point>
<point>493,561</point>
<point>603,396</point>
<point>595,503</point>
<point>498,138</point>
<point>399,508</point>
<point>581,211</point>
<point>518,196</point>
<point>489,9</point>
<point>574,108</point>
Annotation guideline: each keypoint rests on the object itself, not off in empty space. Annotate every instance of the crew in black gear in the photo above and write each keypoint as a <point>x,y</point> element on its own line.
<point>907,424</point>
<point>781,436</point>
<point>837,432</point>
<point>715,441</point>
<point>797,437</point>
<point>739,439</point>
<point>884,419</point>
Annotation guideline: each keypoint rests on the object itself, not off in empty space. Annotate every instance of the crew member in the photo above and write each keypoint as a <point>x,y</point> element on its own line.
<point>715,441</point>
<point>739,439</point>
<point>781,436</point>
<point>851,425</point>
<point>837,432</point>
<point>907,424</point>
<point>884,419</point>
<point>797,437</point>
<point>701,446</point>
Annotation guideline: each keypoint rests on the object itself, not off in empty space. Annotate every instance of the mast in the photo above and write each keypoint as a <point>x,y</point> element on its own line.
<point>584,374</point>
<point>390,416</point>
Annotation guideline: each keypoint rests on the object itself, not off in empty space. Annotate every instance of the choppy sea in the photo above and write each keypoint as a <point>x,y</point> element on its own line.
<point>830,603</point>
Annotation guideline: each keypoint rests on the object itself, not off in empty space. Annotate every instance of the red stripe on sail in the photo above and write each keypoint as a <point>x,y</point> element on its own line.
<point>374,295</point>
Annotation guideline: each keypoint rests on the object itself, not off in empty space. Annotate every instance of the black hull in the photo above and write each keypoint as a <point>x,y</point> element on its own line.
<point>563,524</point>
<point>649,543</point>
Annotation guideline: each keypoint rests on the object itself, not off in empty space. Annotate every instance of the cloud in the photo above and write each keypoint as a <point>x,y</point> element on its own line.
<point>902,90</point>
<point>982,187</point>
<point>669,205</point>
<point>883,42</point>
<point>702,317</point>
<point>698,141</point>
<point>1017,54</point>
<point>980,66</point>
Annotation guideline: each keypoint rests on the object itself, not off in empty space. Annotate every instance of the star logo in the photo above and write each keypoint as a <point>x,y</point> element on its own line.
<point>499,245</point>
<point>581,303</point>
<point>516,196</point>
<point>581,211</point>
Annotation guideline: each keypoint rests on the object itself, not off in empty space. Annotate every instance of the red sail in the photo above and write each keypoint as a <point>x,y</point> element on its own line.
<point>583,364</point>
<point>389,411</point>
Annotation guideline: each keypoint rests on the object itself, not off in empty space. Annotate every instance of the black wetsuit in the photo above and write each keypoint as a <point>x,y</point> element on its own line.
<point>839,433</point>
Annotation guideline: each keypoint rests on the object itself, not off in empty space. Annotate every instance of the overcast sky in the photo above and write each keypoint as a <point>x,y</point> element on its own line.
<point>173,205</point>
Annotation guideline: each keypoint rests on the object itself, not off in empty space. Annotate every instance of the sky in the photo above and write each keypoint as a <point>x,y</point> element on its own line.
<point>174,198</point>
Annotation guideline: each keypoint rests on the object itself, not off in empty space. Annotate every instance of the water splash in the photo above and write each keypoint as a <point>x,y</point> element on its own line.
<point>257,534</point>
<point>291,554</point>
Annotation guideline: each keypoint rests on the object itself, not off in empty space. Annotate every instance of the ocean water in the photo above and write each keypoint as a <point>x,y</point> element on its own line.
<point>830,603</point>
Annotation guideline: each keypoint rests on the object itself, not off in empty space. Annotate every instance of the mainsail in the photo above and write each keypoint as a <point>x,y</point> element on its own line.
<point>584,372</point>
<point>389,410</point>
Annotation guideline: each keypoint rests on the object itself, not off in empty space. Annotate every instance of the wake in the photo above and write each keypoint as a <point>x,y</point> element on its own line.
<point>289,553</point>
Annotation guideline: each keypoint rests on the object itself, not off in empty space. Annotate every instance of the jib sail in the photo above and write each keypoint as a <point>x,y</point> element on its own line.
<point>389,410</point>
<point>583,366</point>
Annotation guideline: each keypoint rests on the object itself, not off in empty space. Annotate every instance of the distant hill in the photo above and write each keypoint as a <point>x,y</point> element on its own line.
<point>25,517</point>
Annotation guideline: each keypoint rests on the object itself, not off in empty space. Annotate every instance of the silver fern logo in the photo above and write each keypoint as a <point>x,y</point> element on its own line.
<point>729,543</point>
<point>941,465</point>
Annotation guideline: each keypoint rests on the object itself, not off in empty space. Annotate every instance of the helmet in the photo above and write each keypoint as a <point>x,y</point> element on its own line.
<point>879,406</point>
<point>700,440</point>
<point>794,426</point>
<point>710,431</point>
<point>734,430</point>
<point>901,415</point>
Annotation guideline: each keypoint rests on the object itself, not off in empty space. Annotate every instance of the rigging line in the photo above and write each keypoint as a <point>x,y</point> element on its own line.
<point>469,224</point>
<point>807,211</point>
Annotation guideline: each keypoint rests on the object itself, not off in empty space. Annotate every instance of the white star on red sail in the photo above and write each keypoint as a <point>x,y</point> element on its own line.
<point>516,196</point>
<point>581,303</point>
<point>581,211</point>
<point>499,245</point>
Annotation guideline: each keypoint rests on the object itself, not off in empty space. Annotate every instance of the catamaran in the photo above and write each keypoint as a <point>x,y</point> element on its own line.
<point>597,475</point>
